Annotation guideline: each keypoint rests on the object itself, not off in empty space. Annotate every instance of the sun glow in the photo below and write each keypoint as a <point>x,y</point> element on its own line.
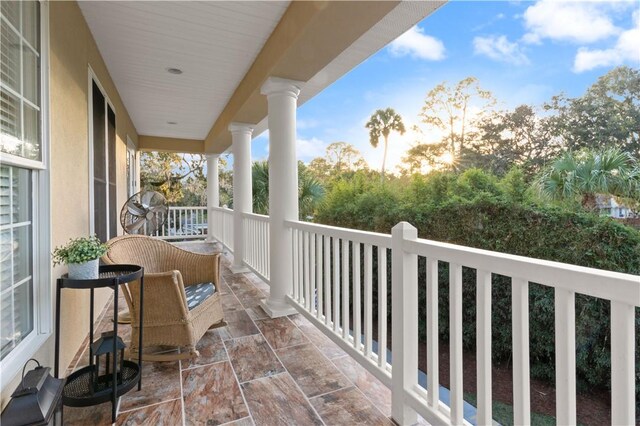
<point>447,158</point>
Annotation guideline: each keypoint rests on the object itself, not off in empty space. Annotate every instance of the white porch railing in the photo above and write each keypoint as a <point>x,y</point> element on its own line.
<point>222,223</point>
<point>184,223</point>
<point>256,244</point>
<point>333,270</point>
<point>327,273</point>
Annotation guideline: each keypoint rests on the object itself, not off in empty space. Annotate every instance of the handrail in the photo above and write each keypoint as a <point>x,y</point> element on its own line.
<point>373,238</point>
<point>255,216</point>
<point>608,285</point>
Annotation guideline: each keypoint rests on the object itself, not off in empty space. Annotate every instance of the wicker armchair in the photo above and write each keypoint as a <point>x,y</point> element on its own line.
<point>179,304</point>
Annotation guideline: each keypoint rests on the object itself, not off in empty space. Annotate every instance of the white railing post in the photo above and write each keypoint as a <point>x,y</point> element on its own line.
<point>242,191</point>
<point>622,363</point>
<point>404,305</point>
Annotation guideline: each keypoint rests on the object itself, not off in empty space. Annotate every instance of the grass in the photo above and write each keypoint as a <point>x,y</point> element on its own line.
<point>503,413</point>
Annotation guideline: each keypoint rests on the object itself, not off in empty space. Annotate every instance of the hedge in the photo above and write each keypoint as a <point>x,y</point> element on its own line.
<point>494,222</point>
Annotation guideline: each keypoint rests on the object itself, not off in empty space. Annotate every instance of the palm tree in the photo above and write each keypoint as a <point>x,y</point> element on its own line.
<point>310,191</point>
<point>382,123</point>
<point>584,174</point>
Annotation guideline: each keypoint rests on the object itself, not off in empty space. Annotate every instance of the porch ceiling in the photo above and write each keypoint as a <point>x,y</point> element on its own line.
<point>226,51</point>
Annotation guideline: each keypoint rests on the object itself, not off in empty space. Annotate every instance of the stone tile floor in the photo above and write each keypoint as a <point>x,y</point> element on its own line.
<point>254,371</point>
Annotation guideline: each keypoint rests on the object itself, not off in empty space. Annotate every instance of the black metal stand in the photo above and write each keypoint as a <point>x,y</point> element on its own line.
<point>81,389</point>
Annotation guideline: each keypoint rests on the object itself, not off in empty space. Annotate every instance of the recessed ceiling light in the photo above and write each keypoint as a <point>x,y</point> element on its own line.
<point>171,122</point>
<point>174,71</point>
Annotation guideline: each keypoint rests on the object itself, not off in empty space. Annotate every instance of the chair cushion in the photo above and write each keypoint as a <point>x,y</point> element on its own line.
<point>198,293</point>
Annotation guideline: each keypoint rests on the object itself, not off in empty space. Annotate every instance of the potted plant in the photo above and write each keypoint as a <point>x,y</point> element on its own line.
<point>82,256</point>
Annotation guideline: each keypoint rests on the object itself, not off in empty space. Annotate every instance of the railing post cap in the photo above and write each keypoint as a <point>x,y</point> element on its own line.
<point>405,229</point>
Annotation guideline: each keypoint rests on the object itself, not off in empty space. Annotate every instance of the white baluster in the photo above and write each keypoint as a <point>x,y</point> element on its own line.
<point>565,322</point>
<point>483,347</point>
<point>327,280</point>
<point>318,262</point>
<point>433,372</point>
<point>345,289</point>
<point>382,307</point>
<point>357,308</point>
<point>520,336</point>
<point>368,300</point>
<point>336,285</point>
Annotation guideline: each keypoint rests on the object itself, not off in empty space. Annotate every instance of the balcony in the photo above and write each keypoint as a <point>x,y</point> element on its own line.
<point>335,272</point>
<point>332,361</point>
<point>256,370</point>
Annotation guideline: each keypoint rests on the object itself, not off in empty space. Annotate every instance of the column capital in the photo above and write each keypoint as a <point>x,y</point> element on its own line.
<point>236,127</point>
<point>281,86</point>
<point>211,156</point>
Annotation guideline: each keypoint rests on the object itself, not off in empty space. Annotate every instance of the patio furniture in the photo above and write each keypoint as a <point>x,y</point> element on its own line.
<point>92,385</point>
<point>181,301</point>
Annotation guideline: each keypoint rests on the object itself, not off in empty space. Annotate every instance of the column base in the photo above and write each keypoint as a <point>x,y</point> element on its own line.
<point>277,310</point>
<point>239,269</point>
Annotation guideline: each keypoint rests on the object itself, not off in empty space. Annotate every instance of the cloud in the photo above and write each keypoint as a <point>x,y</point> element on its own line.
<point>578,22</point>
<point>416,44</point>
<point>308,149</point>
<point>499,48</point>
<point>625,50</point>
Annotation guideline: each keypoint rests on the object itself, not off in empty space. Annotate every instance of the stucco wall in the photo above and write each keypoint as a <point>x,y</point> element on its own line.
<point>72,51</point>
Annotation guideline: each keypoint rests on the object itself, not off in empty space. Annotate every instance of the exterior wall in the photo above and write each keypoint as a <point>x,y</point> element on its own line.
<point>72,50</point>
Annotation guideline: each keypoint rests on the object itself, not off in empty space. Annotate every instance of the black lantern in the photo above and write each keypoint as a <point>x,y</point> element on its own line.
<point>103,347</point>
<point>36,401</point>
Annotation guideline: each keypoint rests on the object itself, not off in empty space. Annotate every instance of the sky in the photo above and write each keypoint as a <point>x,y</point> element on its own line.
<point>524,52</point>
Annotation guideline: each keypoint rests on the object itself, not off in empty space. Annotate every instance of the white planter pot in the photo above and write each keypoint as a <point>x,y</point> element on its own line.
<point>84,271</point>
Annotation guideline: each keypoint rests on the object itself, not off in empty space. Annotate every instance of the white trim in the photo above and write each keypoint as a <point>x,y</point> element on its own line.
<point>11,365</point>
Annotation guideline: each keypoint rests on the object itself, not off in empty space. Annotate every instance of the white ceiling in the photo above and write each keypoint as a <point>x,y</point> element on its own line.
<point>213,43</point>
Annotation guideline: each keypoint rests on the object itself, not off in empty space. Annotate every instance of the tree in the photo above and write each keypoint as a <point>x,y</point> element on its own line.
<point>447,109</point>
<point>340,158</point>
<point>169,173</point>
<point>584,174</point>
<point>425,154</point>
<point>382,123</point>
<point>607,115</point>
<point>511,138</point>
<point>310,191</point>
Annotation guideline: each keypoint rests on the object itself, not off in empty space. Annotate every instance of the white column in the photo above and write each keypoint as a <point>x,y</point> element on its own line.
<point>282,97</point>
<point>213,191</point>
<point>242,191</point>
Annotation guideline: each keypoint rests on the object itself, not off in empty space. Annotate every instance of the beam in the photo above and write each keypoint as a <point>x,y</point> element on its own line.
<point>310,35</point>
<point>156,143</point>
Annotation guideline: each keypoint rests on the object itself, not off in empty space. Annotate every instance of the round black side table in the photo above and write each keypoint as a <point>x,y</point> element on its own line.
<point>82,389</point>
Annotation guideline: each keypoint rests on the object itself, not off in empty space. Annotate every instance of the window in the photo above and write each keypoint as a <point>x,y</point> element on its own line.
<point>16,280</point>
<point>20,72</point>
<point>103,125</point>
<point>24,208</point>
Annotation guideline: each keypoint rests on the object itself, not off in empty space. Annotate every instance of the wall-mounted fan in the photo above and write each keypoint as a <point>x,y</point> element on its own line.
<point>144,213</point>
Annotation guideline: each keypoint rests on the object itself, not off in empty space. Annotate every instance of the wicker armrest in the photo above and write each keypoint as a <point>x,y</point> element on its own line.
<point>197,268</point>
<point>165,292</point>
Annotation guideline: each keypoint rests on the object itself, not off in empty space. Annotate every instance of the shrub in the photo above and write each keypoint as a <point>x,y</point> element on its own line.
<point>493,215</point>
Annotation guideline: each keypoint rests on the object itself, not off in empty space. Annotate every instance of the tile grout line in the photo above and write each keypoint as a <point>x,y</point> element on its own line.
<point>235,376</point>
<point>308,399</point>
<point>334,364</point>
<point>292,379</point>
<point>182,402</point>
<point>283,366</point>
<point>233,370</point>
<point>146,406</point>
